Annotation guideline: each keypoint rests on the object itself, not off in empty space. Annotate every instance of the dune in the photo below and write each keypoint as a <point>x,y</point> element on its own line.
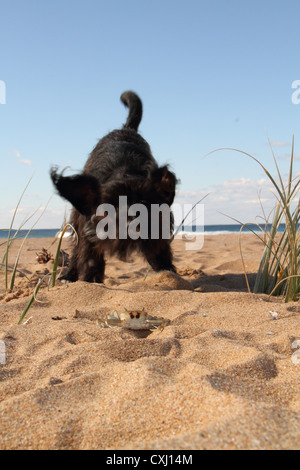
<point>221,375</point>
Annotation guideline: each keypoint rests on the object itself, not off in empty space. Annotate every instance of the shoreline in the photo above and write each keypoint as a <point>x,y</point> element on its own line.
<point>214,229</point>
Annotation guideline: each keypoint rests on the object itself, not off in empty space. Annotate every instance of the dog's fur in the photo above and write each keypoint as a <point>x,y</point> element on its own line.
<point>121,164</point>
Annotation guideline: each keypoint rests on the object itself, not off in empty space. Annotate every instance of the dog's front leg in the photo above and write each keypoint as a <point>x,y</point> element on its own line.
<point>159,255</point>
<point>91,263</point>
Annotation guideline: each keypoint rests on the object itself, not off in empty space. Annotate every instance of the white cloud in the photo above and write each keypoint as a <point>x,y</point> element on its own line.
<point>23,161</point>
<point>49,217</point>
<point>238,198</point>
<point>287,156</point>
<point>279,143</point>
<point>26,162</point>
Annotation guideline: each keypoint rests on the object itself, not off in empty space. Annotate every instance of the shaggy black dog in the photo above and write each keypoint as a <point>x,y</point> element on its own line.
<point>121,164</point>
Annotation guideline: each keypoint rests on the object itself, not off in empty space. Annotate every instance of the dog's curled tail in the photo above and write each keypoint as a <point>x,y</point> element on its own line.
<point>133,102</point>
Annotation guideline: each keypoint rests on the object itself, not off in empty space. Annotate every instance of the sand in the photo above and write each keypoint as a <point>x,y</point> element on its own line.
<point>220,376</point>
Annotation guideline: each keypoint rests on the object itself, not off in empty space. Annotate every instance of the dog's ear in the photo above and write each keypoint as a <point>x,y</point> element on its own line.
<point>165,183</point>
<point>83,191</point>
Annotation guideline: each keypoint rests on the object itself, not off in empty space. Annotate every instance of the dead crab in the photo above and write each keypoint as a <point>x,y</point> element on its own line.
<point>133,320</point>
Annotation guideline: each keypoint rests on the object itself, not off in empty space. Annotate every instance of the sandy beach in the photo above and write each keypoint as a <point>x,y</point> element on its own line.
<point>219,376</point>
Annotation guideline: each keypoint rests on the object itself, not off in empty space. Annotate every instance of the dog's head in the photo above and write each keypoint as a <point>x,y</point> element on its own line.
<point>85,193</point>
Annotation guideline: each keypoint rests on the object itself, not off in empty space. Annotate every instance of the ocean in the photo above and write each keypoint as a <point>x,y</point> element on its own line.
<point>224,229</point>
<point>209,230</point>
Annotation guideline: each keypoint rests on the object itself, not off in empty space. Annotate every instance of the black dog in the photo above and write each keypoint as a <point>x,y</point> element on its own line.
<point>121,164</point>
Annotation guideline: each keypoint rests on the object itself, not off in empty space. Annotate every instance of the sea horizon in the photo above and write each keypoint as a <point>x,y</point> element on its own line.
<point>216,229</point>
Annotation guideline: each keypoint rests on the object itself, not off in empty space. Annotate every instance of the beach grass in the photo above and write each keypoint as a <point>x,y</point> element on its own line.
<point>11,239</point>
<point>49,278</point>
<point>9,281</point>
<point>278,272</point>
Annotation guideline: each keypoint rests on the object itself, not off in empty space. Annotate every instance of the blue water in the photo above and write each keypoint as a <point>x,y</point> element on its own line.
<point>45,233</point>
<point>209,229</point>
<point>233,228</point>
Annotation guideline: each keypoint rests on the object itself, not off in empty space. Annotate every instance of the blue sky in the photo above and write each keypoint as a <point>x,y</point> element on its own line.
<point>210,74</point>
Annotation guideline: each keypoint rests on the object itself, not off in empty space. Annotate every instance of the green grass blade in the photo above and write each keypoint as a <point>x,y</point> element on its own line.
<point>21,247</point>
<point>9,233</point>
<point>31,300</point>
<point>55,265</point>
